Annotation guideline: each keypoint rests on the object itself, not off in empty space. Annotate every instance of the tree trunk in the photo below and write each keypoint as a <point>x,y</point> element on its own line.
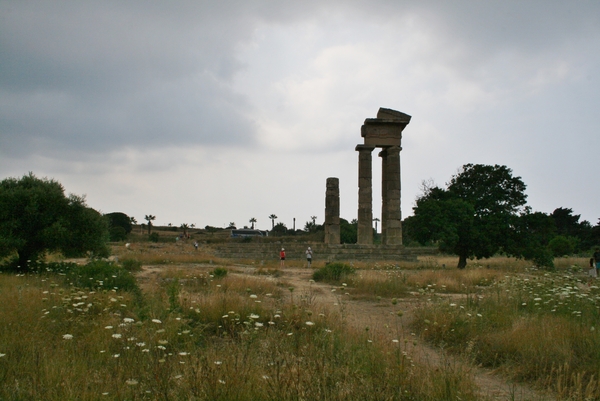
<point>462,261</point>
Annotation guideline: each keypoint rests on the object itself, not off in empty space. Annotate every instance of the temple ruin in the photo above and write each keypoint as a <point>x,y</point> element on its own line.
<point>384,132</point>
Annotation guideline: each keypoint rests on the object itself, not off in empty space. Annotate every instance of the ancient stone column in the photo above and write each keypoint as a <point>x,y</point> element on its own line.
<point>391,214</point>
<point>332,211</point>
<point>365,195</point>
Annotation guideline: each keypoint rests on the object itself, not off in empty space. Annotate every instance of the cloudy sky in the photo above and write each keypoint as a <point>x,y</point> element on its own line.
<point>210,112</point>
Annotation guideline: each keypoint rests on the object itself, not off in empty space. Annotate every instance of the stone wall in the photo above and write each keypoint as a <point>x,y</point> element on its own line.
<point>321,252</point>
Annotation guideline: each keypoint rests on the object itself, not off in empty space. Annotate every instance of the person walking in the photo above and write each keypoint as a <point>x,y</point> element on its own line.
<point>596,257</point>
<point>309,254</point>
<point>282,257</point>
<point>592,272</point>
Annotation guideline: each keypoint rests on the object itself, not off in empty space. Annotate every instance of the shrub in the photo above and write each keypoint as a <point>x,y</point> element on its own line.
<point>153,237</point>
<point>132,265</point>
<point>219,272</point>
<point>562,246</point>
<point>333,272</point>
<point>101,275</point>
<point>279,229</point>
<point>118,219</point>
<point>117,234</point>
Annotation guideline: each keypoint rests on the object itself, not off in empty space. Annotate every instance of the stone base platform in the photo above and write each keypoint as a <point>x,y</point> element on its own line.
<point>321,252</point>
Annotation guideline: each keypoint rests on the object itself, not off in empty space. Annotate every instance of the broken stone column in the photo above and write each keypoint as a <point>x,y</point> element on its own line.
<point>332,211</point>
<point>385,132</point>
<point>365,195</point>
<point>391,215</point>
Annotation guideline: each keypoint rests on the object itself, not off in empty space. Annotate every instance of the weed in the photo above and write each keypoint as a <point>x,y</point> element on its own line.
<point>132,265</point>
<point>333,272</point>
<point>219,272</point>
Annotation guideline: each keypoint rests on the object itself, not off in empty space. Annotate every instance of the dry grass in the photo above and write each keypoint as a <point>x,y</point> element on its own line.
<point>195,337</point>
<point>166,253</point>
<point>537,327</point>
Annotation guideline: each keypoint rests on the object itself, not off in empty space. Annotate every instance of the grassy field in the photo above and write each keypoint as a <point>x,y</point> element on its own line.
<point>188,334</point>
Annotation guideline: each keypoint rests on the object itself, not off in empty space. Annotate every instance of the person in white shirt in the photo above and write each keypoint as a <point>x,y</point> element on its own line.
<point>309,254</point>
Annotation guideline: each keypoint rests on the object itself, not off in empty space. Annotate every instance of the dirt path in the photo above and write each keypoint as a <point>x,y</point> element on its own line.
<point>384,324</point>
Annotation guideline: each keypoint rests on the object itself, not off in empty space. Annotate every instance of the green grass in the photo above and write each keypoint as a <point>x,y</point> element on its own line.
<point>540,327</point>
<point>192,337</point>
<point>333,272</point>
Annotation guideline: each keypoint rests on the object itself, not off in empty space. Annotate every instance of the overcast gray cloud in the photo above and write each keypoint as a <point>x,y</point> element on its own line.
<point>181,109</point>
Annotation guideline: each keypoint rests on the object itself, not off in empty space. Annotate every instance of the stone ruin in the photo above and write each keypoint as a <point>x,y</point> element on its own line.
<point>383,132</point>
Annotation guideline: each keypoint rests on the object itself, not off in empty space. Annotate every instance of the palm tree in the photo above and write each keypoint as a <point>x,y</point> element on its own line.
<point>273,217</point>
<point>133,220</point>
<point>313,218</point>
<point>252,221</point>
<point>149,218</point>
<point>376,220</point>
<point>192,225</point>
<point>184,227</point>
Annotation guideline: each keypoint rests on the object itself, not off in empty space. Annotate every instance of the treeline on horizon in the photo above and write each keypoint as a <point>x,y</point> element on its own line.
<point>482,212</point>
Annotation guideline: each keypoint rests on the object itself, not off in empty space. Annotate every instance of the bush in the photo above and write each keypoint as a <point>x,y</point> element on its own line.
<point>119,219</point>
<point>101,275</point>
<point>279,229</point>
<point>219,272</point>
<point>333,272</point>
<point>117,234</point>
<point>132,265</point>
<point>562,246</point>
<point>348,231</point>
<point>153,237</point>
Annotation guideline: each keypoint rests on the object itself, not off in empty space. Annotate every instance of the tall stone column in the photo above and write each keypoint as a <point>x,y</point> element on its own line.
<point>332,211</point>
<point>365,194</point>
<point>391,214</point>
<point>383,155</point>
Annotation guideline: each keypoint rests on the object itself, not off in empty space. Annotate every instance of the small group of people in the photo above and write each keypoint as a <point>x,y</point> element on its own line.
<point>308,252</point>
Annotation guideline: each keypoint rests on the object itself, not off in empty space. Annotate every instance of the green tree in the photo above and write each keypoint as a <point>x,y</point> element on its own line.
<point>119,225</point>
<point>252,221</point>
<point>595,235</point>
<point>562,245</point>
<point>311,227</point>
<point>36,217</point>
<point>444,220</point>
<point>279,229</point>
<point>348,231</point>
<point>531,234</point>
<point>568,225</point>
<point>473,217</point>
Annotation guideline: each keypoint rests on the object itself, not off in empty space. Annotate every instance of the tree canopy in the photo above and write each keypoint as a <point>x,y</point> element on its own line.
<point>36,217</point>
<point>119,225</point>
<point>473,216</point>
